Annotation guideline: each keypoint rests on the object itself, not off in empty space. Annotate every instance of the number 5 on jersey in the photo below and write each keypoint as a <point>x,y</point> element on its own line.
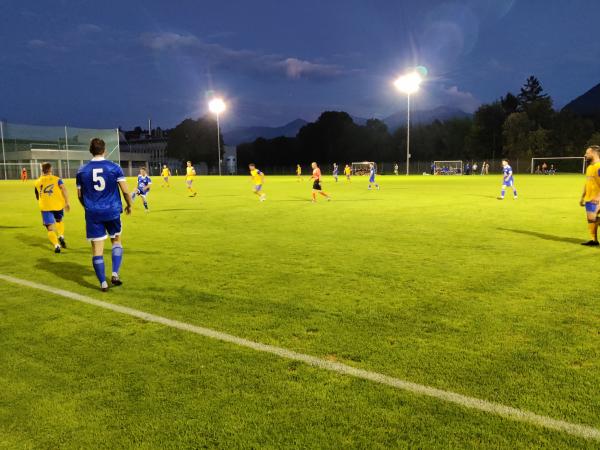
<point>97,178</point>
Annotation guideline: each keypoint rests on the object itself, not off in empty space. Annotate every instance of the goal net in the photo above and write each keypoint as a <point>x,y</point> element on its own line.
<point>362,168</point>
<point>66,148</point>
<point>448,167</point>
<point>560,164</point>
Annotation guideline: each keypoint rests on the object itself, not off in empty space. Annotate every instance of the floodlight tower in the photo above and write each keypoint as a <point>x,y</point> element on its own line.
<point>408,84</point>
<point>217,106</point>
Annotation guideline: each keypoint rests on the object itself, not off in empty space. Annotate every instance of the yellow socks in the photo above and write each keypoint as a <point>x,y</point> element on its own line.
<point>60,228</point>
<point>52,237</point>
<point>593,229</point>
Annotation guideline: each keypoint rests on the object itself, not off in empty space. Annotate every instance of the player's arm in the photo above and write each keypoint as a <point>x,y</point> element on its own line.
<point>262,178</point>
<point>37,194</point>
<point>80,196</point>
<point>126,195</point>
<point>65,194</point>
<point>147,188</point>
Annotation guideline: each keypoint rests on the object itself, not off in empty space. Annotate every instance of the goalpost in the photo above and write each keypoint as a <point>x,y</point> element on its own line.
<point>448,167</point>
<point>362,168</point>
<point>572,164</point>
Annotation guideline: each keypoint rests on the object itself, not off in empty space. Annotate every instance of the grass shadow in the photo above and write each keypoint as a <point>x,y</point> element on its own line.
<point>33,240</point>
<point>9,227</point>
<point>67,270</point>
<point>547,237</point>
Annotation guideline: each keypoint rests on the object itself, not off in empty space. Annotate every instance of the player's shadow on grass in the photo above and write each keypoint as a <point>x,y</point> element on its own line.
<point>9,227</point>
<point>547,237</point>
<point>67,270</point>
<point>33,241</point>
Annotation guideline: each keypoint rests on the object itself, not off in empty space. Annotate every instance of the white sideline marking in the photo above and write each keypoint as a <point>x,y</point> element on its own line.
<point>498,409</point>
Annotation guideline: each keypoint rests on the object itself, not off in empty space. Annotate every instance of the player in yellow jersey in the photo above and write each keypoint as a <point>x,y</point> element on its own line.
<point>590,198</point>
<point>298,172</point>
<point>53,200</point>
<point>166,173</point>
<point>258,178</point>
<point>190,174</point>
<point>348,172</point>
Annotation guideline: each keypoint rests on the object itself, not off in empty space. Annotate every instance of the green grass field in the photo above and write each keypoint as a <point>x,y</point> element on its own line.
<point>430,280</point>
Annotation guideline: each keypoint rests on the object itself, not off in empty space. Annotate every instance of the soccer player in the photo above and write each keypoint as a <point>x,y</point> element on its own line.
<point>190,174</point>
<point>258,178</point>
<point>372,176</point>
<point>166,173</point>
<point>298,172</point>
<point>507,180</point>
<point>53,200</point>
<point>143,187</point>
<point>591,193</point>
<point>23,174</point>
<point>348,173</point>
<point>98,184</point>
<point>316,177</point>
<point>335,172</point>
<point>396,169</point>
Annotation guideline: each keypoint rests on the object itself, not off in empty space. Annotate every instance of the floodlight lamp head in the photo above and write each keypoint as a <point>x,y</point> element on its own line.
<point>409,83</point>
<point>216,106</point>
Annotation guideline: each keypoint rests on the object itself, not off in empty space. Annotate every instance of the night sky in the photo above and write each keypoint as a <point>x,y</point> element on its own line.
<point>106,63</point>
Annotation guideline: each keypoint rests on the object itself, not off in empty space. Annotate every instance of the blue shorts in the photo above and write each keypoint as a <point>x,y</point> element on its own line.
<point>257,187</point>
<point>510,182</point>
<point>97,230</point>
<point>372,180</point>
<point>50,217</point>
<point>141,192</point>
<point>591,207</point>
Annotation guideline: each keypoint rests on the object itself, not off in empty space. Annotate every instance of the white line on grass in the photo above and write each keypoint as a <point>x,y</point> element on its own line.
<point>498,409</point>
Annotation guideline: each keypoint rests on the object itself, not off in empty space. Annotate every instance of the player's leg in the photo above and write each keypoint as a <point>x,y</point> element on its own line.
<point>50,223</point>
<point>114,232</point>
<point>591,210</point>
<point>144,197</point>
<point>60,227</point>
<point>96,234</point>
<point>190,188</point>
<point>502,191</point>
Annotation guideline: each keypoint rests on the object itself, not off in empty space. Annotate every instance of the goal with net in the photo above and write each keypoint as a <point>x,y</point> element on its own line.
<point>448,167</point>
<point>362,168</point>
<point>559,164</point>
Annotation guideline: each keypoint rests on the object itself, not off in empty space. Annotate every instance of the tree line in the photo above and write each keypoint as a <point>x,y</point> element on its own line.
<point>515,126</point>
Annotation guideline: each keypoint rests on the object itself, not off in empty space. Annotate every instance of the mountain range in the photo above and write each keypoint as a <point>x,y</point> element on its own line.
<point>587,104</point>
<point>240,135</point>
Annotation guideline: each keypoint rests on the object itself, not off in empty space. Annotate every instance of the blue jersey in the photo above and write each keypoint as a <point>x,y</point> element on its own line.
<point>335,170</point>
<point>143,183</point>
<point>508,173</point>
<point>98,182</point>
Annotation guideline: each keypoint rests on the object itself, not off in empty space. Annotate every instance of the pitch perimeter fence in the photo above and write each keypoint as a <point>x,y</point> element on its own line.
<point>67,148</point>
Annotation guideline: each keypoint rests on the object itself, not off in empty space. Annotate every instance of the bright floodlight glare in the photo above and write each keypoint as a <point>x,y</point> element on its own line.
<point>216,106</point>
<point>409,83</point>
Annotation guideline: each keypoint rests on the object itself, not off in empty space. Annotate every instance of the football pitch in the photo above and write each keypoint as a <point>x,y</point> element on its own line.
<point>430,280</point>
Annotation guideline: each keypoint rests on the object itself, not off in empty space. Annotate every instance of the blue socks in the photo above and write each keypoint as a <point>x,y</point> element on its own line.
<point>117,257</point>
<point>98,262</point>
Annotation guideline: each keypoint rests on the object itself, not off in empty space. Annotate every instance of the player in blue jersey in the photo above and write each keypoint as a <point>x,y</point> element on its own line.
<point>507,180</point>
<point>372,176</point>
<point>98,184</point>
<point>143,187</point>
<point>335,172</point>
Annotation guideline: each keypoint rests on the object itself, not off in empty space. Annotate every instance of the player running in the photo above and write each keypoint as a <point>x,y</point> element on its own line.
<point>143,187</point>
<point>316,177</point>
<point>335,172</point>
<point>258,178</point>
<point>190,174</point>
<point>591,193</point>
<point>53,200</point>
<point>507,180</point>
<point>372,176</point>
<point>23,174</point>
<point>298,172</point>
<point>165,174</point>
<point>98,184</point>
<point>348,173</point>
